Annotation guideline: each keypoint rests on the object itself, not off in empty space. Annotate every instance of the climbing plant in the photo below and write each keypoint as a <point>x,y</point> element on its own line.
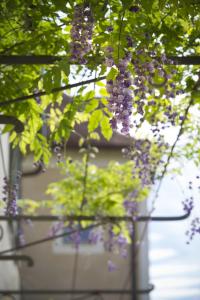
<point>126,66</point>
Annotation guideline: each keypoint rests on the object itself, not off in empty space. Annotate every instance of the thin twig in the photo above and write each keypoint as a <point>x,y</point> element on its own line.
<point>120,32</point>
<point>55,90</point>
<point>48,239</point>
<point>85,180</point>
<point>181,130</point>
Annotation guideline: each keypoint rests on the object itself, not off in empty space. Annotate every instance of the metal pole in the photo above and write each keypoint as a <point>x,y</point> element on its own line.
<point>133,264</point>
<point>48,59</point>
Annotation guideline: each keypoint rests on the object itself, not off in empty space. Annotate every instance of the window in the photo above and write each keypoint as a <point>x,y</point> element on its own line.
<point>66,244</point>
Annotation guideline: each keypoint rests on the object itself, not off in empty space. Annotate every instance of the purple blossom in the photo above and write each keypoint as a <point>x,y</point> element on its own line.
<point>10,193</point>
<point>134,8</point>
<point>21,237</point>
<point>94,236</point>
<point>146,69</point>
<point>120,100</point>
<point>81,33</point>
<point>131,207</point>
<point>194,229</point>
<point>111,266</point>
<point>109,28</point>
<point>123,253</point>
<point>188,205</point>
<point>76,238</point>
<point>121,240</point>
<point>55,228</point>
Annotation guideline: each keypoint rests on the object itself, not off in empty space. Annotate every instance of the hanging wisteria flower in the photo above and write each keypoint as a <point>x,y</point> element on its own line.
<point>55,229</point>
<point>150,77</point>
<point>10,196</point>
<point>188,205</point>
<point>194,229</point>
<point>94,236</point>
<point>120,100</point>
<point>21,237</point>
<point>81,33</point>
<point>111,266</point>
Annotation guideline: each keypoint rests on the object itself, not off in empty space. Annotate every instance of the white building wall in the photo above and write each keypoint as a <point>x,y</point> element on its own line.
<point>9,275</point>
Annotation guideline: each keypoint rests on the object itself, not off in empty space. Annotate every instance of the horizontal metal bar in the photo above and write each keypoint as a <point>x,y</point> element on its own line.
<point>46,218</point>
<point>185,60</point>
<point>26,258</point>
<point>18,125</point>
<point>29,59</point>
<point>33,172</point>
<point>94,292</point>
<point>48,59</point>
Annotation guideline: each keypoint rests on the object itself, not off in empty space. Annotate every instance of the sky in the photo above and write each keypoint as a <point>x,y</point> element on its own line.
<point>175,265</point>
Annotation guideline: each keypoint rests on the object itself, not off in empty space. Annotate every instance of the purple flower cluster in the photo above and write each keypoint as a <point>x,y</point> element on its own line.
<point>188,205</point>
<point>194,229</point>
<point>147,67</point>
<point>141,155</point>
<point>55,229</point>
<point>134,8</point>
<point>95,236</point>
<point>145,160</point>
<point>21,237</point>
<point>120,100</point>
<point>10,193</point>
<point>81,33</point>
<point>111,266</point>
<point>58,151</point>
<point>6,189</point>
<point>40,164</point>
<point>115,242</point>
<point>131,207</point>
<point>76,238</point>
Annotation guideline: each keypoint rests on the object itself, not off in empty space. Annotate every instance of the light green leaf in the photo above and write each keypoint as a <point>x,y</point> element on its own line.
<point>95,120</point>
<point>92,105</point>
<point>112,74</point>
<point>106,129</point>
<point>65,66</point>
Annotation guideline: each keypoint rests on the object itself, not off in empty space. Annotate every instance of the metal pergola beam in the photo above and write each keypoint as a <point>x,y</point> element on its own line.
<point>46,218</point>
<point>48,59</point>
<point>16,258</point>
<point>75,292</point>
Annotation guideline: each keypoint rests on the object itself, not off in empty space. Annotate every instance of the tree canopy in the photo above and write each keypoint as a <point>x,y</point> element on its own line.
<point>130,66</point>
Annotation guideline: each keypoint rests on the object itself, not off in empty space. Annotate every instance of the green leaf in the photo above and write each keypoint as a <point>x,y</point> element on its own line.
<point>95,120</point>
<point>92,105</point>
<point>65,66</point>
<point>106,129</point>
<point>147,5</point>
<point>56,77</point>
<point>112,74</point>
<point>94,136</point>
<point>7,128</point>
<point>100,83</point>
<point>103,92</point>
<point>89,95</point>
<point>47,82</point>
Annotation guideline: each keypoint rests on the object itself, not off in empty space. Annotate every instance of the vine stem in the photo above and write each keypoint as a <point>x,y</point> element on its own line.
<point>55,90</point>
<point>85,180</point>
<point>181,130</point>
<point>48,239</point>
<point>120,32</point>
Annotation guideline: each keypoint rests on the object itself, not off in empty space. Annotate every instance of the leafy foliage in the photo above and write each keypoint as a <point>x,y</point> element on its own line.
<point>164,94</point>
<point>105,191</point>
